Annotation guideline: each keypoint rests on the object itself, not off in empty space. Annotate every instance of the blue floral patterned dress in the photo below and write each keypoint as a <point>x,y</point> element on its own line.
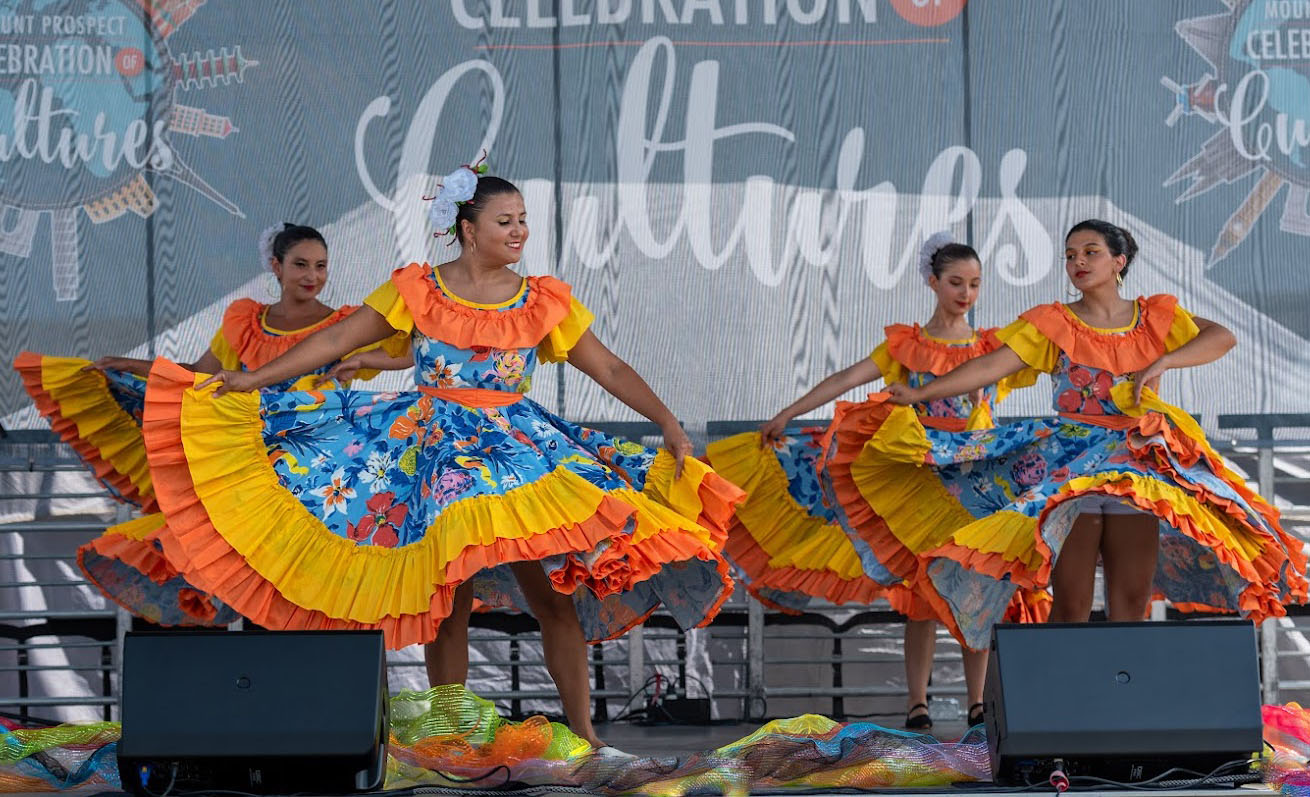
<point>348,509</point>
<point>1009,495</point>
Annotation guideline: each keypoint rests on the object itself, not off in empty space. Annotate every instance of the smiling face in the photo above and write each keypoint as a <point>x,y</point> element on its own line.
<point>302,272</point>
<point>957,287</point>
<point>500,230</point>
<point>1089,262</point>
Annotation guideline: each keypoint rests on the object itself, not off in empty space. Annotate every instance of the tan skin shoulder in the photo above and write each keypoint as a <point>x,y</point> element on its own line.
<point>491,286</point>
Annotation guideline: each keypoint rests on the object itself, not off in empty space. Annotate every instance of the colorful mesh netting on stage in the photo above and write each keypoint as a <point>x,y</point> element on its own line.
<point>1287,765</point>
<point>63,757</point>
<point>450,737</point>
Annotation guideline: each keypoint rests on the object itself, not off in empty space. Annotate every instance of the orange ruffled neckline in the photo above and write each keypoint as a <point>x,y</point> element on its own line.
<point>442,318</point>
<point>1118,352</point>
<point>244,330</point>
<point>916,350</point>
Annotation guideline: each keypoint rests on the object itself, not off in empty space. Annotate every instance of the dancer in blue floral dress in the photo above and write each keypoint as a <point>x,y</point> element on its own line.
<point>404,511</point>
<point>97,409</point>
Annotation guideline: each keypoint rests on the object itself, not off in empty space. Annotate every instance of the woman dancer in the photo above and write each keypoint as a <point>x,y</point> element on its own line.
<point>788,540</point>
<point>96,408</point>
<point>341,509</point>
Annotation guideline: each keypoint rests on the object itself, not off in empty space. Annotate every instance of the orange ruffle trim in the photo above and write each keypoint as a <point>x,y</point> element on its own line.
<point>852,426</point>
<point>1268,565</point>
<point>772,515</point>
<point>243,329</point>
<point>139,553</point>
<point>715,502</point>
<point>1278,558</point>
<point>1118,353</point>
<point>211,564</point>
<point>823,584</point>
<point>118,430</point>
<point>1256,601</point>
<point>208,560</point>
<point>916,351</point>
<point>441,318</point>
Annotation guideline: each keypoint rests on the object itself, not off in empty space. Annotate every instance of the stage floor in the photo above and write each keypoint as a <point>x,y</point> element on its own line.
<point>678,740</point>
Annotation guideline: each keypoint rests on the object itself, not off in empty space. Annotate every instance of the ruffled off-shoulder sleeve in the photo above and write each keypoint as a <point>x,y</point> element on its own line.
<point>228,359</point>
<point>890,369</point>
<point>389,303</point>
<point>1182,330</point>
<point>1038,352</point>
<point>561,340</point>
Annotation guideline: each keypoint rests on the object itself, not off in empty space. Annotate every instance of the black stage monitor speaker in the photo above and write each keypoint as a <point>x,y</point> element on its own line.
<point>1121,701</point>
<point>255,711</point>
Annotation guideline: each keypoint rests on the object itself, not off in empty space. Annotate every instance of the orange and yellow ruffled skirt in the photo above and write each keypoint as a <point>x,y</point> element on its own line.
<point>349,509</point>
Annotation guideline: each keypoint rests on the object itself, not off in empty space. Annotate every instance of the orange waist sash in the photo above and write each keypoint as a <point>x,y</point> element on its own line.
<point>943,424</point>
<point>473,397</point>
<point>1118,422</point>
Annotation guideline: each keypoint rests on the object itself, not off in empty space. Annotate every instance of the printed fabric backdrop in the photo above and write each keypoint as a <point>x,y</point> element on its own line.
<point>737,188</point>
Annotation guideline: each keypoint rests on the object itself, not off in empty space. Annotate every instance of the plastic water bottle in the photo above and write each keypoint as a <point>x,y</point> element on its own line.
<point>944,709</point>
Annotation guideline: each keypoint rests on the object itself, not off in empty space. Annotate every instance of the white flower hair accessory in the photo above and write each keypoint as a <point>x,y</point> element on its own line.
<point>266,239</point>
<point>930,249</point>
<point>456,188</point>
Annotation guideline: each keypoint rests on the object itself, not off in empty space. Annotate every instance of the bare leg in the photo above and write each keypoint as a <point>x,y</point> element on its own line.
<point>975,674</point>
<point>1130,545</point>
<point>1074,576</point>
<point>920,642</point>
<point>563,644</point>
<point>447,657</point>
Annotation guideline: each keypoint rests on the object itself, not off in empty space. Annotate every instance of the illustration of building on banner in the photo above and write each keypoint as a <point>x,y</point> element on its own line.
<point>1255,64</point>
<point>207,69</point>
<point>136,196</point>
<point>199,122</point>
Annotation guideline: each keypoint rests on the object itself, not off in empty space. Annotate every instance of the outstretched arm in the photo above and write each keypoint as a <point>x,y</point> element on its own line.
<point>359,329</point>
<point>966,378</point>
<point>1212,342</point>
<point>207,364</point>
<point>592,358</point>
<point>849,378</point>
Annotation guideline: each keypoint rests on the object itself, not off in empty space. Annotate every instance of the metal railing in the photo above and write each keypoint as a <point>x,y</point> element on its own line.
<point>37,456</point>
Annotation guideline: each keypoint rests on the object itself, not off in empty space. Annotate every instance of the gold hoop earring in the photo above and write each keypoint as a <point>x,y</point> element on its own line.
<point>274,288</point>
<point>1072,292</point>
<point>1119,278</point>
